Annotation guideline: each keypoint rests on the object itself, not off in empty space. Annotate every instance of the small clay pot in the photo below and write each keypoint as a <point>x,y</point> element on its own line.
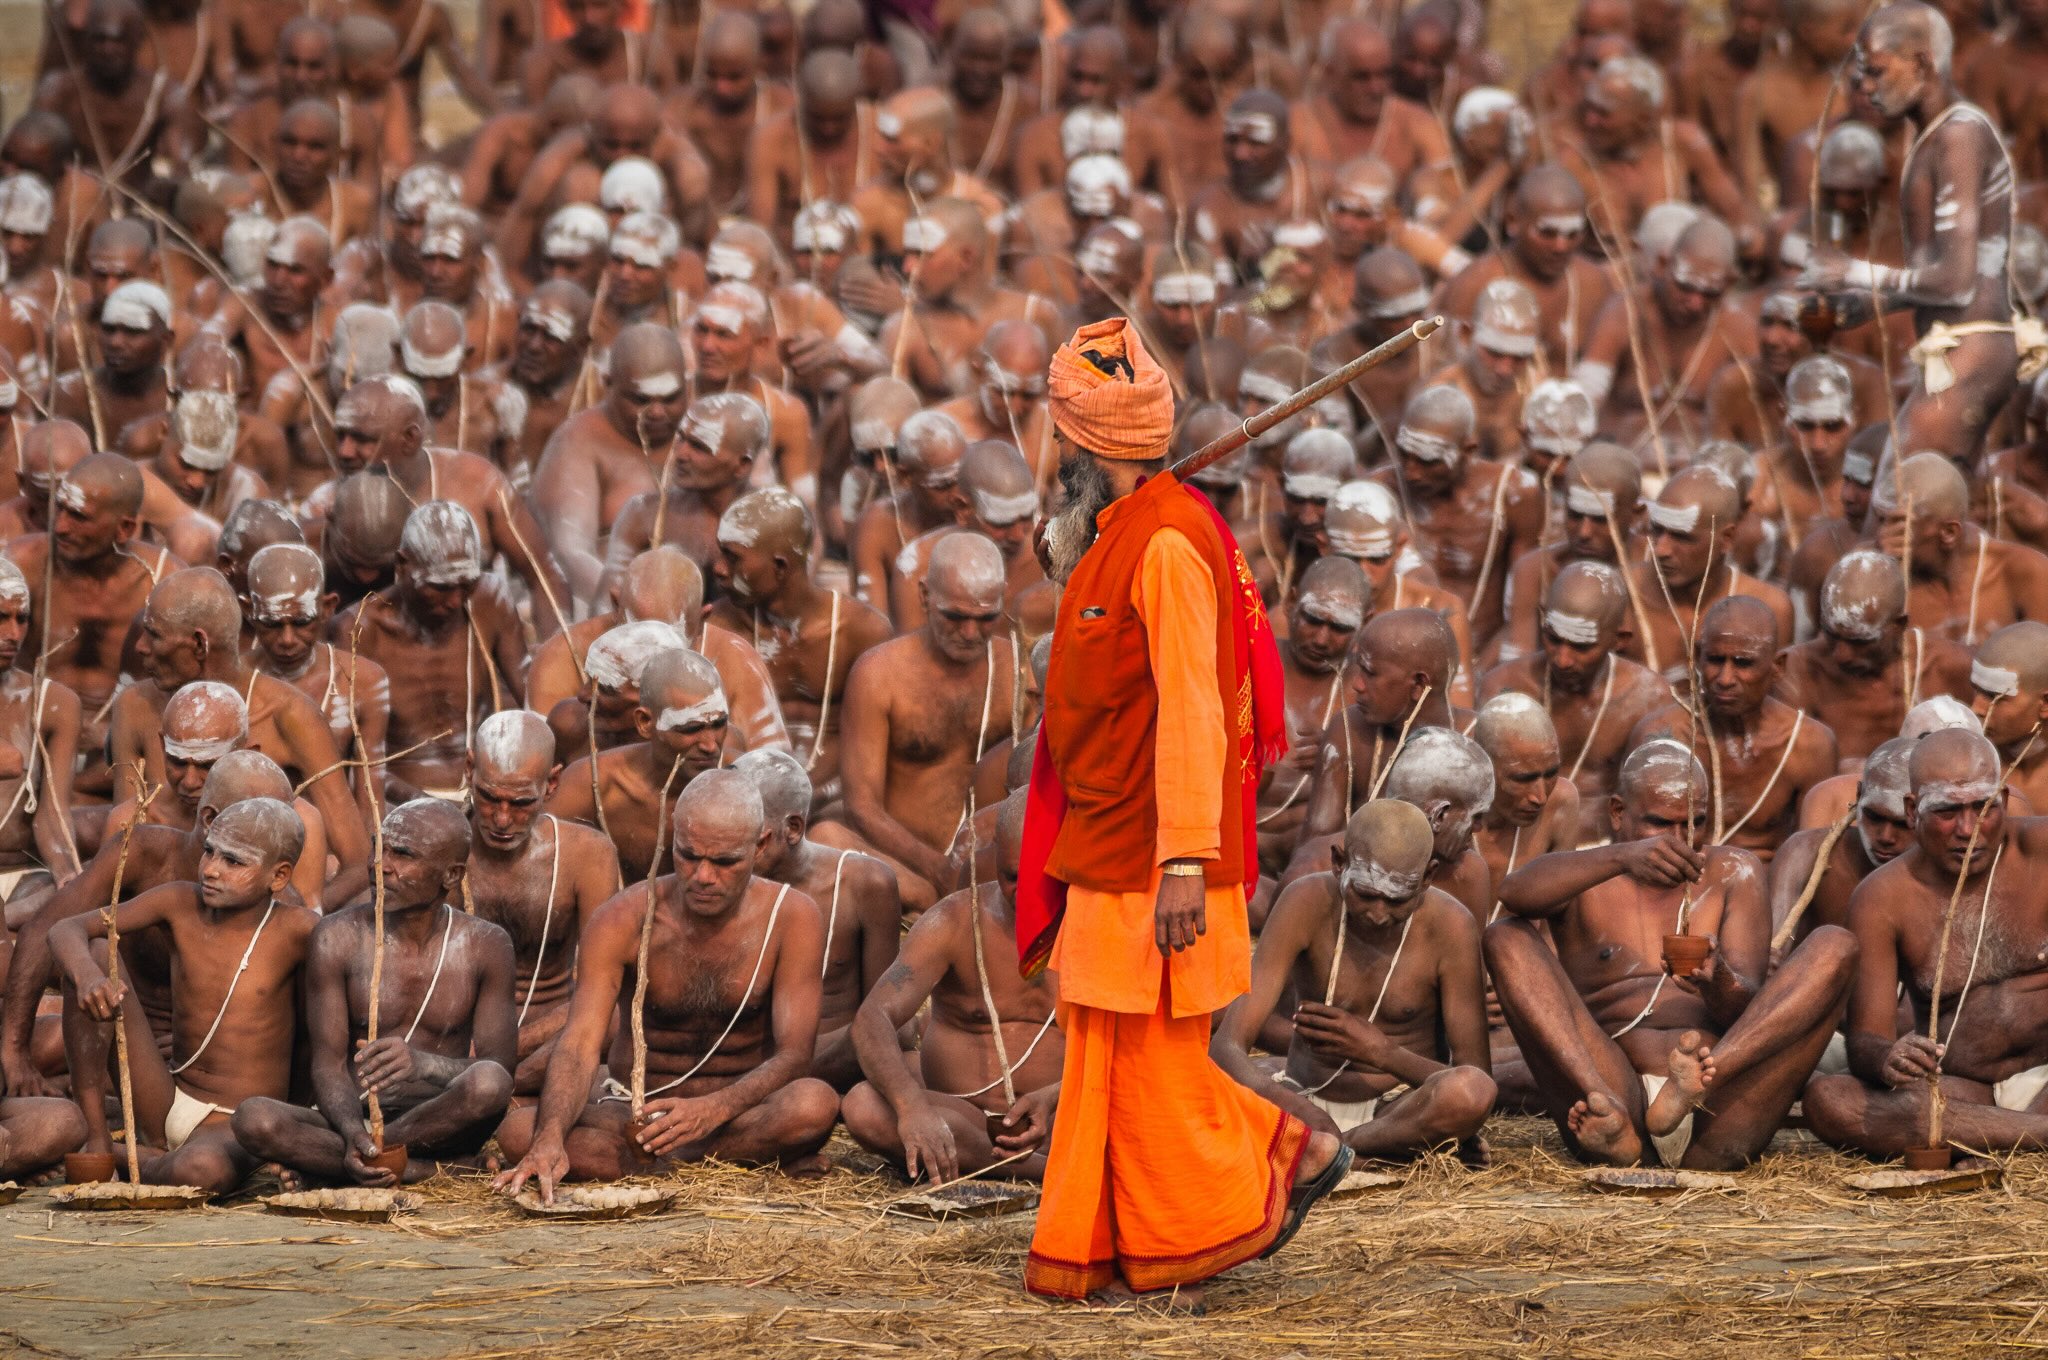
<point>1929,1158</point>
<point>635,1127</point>
<point>1684,953</point>
<point>88,1168</point>
<point>392,1159</point>
<point>996,1127</point>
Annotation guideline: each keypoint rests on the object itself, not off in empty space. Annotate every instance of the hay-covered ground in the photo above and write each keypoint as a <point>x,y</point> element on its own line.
<point>1454,1263</point>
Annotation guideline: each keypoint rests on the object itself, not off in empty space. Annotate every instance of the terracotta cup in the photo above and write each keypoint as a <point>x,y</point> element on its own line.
<point>1683,953</point>
<point>88,1168</point>
<point>1929,1158</point>
<point>392,1159</point>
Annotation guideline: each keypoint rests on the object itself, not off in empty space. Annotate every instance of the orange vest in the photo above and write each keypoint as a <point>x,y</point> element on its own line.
<point>1102,705</point>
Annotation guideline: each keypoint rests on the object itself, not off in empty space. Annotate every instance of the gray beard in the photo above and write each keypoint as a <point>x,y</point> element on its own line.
<point>1070,533</point>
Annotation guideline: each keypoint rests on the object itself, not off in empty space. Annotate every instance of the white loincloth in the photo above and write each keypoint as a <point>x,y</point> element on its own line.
<point>1834,1059</point>
<point>186,1114</point>
<point>1350,1114</point>
<point>2018,1091</point>
<point>10,879</point>
<point>1670,1146</point>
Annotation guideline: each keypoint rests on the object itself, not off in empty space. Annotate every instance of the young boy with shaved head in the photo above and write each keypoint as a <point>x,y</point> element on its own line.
<point>863,914</point>
<point>533,873</point>
<point>288,608</point>
<point>441,1062</point>
<point>1390,1047</point>
<point>731,1016</point>
<point>1970,857</point>
<point>1632,1061</point>
<point>236,954</point>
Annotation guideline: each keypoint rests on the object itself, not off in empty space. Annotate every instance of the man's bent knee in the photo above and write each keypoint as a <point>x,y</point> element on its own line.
<point>1464,1100</point>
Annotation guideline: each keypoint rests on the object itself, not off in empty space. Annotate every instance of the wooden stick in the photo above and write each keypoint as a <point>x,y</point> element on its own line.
<point>988,1000</point>
<point>375,1106</point>
<point>114,976</point>
<point>639,1088</point>
<point>1223,446</point>
<point>1790,924</point>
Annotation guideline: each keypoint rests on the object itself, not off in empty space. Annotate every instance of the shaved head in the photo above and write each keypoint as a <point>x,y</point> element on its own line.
<point>1387,848</point>
<point>1863,595</point>
<point>1412,641</point>
<point>239,775</point>
<point>516,746</point>
<point>265,830</point>
<point>781,781</point>
<point>662,585</point>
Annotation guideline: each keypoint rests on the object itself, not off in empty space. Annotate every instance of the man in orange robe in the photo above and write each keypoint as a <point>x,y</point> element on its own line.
<point>1162,1170</point>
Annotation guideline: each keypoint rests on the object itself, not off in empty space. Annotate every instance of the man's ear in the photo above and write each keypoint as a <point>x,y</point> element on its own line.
<point>1912,812</point>
<point>554,782</point>
<point>280,876</point>
<point>643,722</point>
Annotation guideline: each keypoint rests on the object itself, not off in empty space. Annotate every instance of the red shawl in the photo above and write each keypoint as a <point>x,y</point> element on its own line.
<point>1041,899</point>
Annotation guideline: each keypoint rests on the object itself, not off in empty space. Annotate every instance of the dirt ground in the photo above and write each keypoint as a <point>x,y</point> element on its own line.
<point>1518,1257</point>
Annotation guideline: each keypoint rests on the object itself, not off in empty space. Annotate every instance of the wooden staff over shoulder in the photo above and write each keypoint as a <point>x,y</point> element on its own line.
<point>1216,450</point>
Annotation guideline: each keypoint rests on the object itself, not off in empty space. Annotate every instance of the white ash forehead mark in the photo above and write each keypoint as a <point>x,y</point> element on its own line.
<point>1572,628</point>
<point>1344,612</point>
<point>710,708</point>
<point>658,385</point>
<point>1995,680</point>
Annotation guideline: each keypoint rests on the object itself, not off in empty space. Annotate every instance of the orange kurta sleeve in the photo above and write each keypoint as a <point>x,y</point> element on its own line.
<point>1176,597</point>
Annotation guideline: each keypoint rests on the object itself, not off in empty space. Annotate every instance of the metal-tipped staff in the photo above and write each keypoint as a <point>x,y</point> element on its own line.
<point>1216,450</point>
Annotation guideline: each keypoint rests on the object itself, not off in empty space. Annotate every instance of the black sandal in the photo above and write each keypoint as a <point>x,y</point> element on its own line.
<point>1302,1198</point>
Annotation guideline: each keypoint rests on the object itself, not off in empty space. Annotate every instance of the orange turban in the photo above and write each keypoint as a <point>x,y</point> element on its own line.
<point>1109,395</point>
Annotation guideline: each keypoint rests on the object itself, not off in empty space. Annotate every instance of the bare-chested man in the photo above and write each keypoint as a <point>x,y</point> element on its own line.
<point>96,584</point>
<point>1596,497</point>
<point>599,458</point>
<point>131,380</point>
<point>1392,1079</point>
<point>441,1063</point>
<point>857,893</point>
<point>928,448</point>
<point>1963,583</point>
<point>1683,329</point>
<point>1398,673</point>
<point>1693,523</point>
<point>921,711</point>
<point>950,1111</point>
<point>735,1060</point>
<point>123,114</point>
<point>232,1022</point>
<point>1002,506</point>
<point>913,164</point>
<point>662,586</point>
<point>821,149</point>
<point>534,874</point>
<point>1325,615</point>
<point>1866,666</point>
<point>1594,694</point>
<point>1535,809</point>
<point>2009,683</point>
<point>546,368</point>
<point>1544,223</point>
<point>1786,93</point>
<point>1473,517</point>
<point>190,629</point>
<point>1629,1057</point>
<point>38,753</point>
<point>1955,202</point>
<point>709,463</point>
<point>678,730</point>
<point>1882,832</point>
<point>467,411</point>
<point>1990,1059</point>
<point>289,610</point>
<point>807,636</point>
<point>381,425</point>
<point>1763,754</point>
<point>445,635</point>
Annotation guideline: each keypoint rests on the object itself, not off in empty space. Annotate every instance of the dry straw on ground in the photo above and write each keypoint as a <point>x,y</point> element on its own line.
<point>1517,1257</point>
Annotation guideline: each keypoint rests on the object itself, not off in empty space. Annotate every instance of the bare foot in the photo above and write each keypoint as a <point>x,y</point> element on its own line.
<point>1115,1294</point>
<point>1692,1072</point>
<point>810,1168</point>
<point>1603,1131</point>
<point>1188,1300</point>
<point>289,1181</point>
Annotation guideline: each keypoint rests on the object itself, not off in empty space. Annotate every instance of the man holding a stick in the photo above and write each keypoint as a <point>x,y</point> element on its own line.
<point>718,968</point>
<point>1958,926</point>
<point>236,954</point>
<point>1633,1059</point>
<point>440,1063</point>
<point>1162,704</point>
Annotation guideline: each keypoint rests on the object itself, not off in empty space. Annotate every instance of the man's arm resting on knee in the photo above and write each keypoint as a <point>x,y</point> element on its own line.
<point>927,1141</point>
<point>30,970</point>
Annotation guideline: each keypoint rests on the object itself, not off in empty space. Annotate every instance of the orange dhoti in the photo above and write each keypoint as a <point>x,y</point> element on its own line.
<point>1162,1168</point>
<point>1161,1201</point>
